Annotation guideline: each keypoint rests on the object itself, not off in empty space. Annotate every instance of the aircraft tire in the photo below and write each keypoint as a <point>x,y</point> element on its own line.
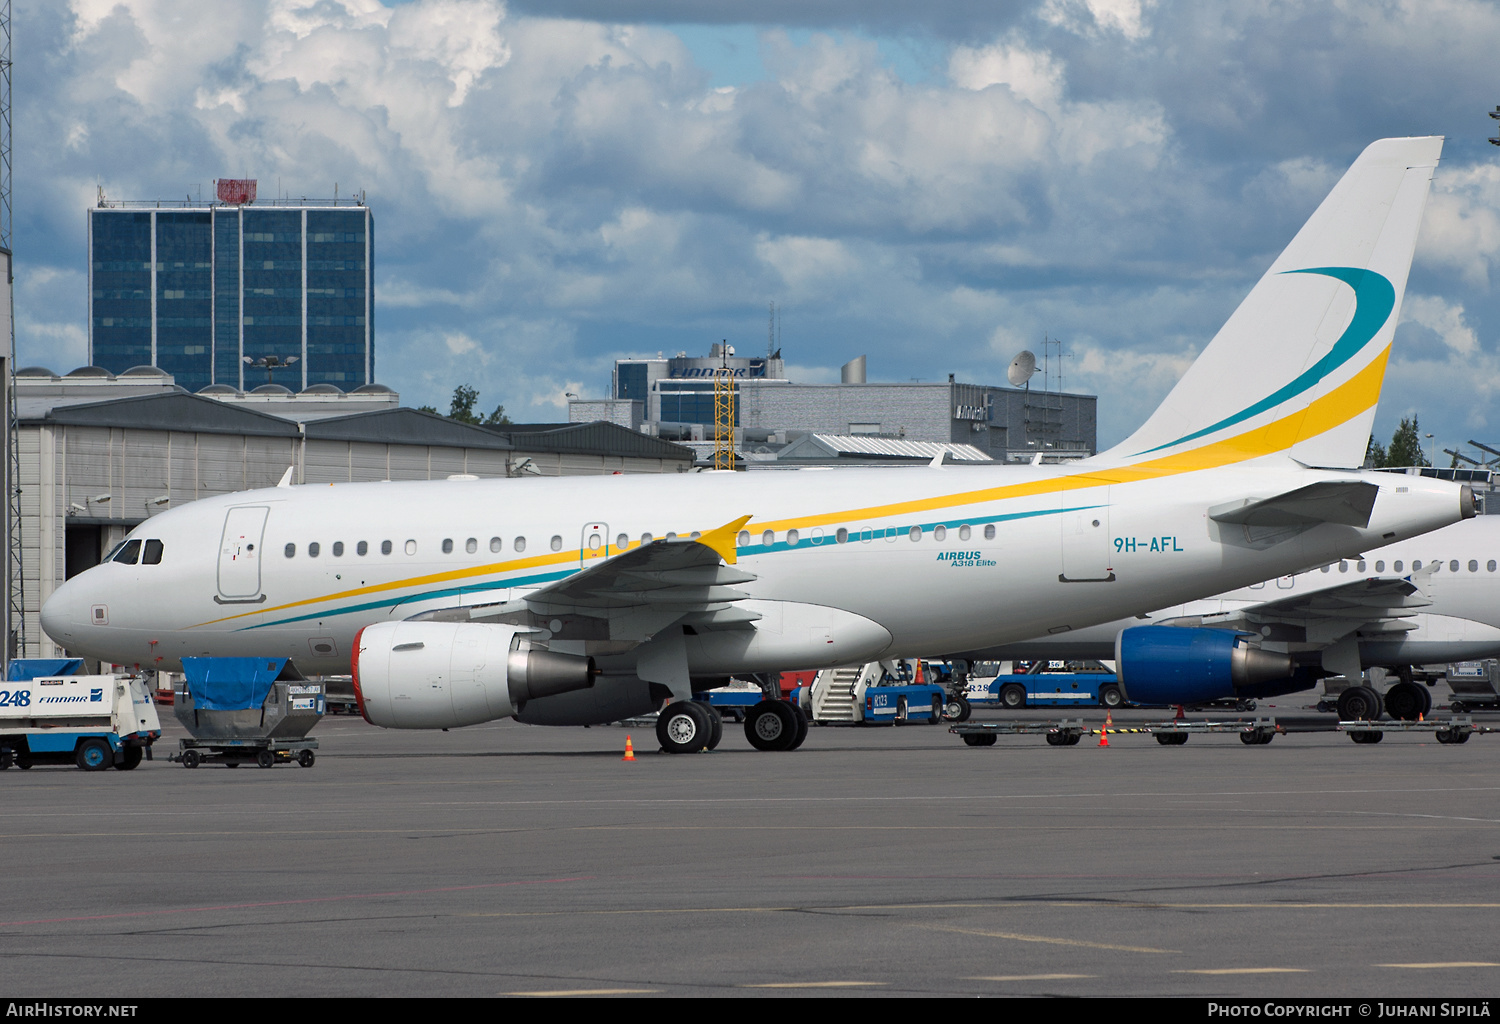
<point>715,729</point>
<point>1012,696</point>
<point>958,709</point>
<point>1404,701</point>
<point>683,727</point>
<point>1359,704</point>
<point>771,725</point>
<point>802,726</point>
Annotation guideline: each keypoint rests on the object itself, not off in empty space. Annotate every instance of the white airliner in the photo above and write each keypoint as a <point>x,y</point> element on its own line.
<point>585,600</point>
<point>1429,600</point>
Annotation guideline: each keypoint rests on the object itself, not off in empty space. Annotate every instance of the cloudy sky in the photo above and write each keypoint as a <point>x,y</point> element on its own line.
<point>936,184</point>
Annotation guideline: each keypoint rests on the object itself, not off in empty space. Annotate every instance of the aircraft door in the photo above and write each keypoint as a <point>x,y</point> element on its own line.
<point>594,543</point>
<point>240,553</point>
<point>1087,556</point>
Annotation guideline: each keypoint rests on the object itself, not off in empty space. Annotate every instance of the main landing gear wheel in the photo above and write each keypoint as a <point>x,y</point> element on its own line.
<point>1406,701</point>
<point>715,728</point>
<point>1110,696</point>
<point>1173,739</point>
<point>1013,696</point>
<point>94,755</point>
<point>958,709</point>
<point>773,725</point>
<point>802,725</point>
<point>987,739</point>
<point>1359,704</point>
<point>683,727</point>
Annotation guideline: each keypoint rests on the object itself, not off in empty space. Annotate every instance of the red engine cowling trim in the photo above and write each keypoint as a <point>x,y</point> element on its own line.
<point>359,697</point>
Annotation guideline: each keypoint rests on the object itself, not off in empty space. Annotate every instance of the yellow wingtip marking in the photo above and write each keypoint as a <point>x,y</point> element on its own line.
<point>725,539</point>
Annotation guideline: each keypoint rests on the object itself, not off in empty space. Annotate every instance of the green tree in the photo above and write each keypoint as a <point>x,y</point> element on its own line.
<point>462,408</point>
<point>1375,457</point>
<point>497,418</point>
<point>1406,445</point>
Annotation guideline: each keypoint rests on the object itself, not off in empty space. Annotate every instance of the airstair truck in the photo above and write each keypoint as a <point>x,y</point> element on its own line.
<point>48,716</point>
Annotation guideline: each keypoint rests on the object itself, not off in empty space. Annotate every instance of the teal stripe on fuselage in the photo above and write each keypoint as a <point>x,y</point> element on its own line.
<point>745,552</point>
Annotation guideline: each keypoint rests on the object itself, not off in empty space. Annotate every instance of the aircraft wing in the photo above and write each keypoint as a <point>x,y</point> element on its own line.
<point>621,601</point>
<point>1323,617</point>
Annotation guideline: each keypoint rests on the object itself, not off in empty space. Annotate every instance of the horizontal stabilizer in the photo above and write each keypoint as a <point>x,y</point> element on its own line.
<point>1346,503</point>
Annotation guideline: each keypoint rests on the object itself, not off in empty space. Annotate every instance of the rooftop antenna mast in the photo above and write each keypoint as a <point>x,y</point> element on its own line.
<point>724,410</point>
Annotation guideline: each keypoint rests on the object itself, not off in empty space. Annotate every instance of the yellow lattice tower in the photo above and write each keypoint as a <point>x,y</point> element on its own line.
<point>724,418</point>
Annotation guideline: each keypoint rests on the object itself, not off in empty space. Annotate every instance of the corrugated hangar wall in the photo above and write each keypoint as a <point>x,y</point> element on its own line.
<point>64,468</point>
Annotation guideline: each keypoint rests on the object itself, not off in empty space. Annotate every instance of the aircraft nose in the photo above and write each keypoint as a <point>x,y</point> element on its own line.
<point>66,613</point>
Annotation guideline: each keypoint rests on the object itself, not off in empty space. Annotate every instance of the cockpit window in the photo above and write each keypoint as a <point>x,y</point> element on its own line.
<point>152,554</point>
<point>113,552</point>
<point>129,552</point>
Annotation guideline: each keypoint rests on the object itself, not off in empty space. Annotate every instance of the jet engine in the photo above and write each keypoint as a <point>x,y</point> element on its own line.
<point>1186,665</point>
<point>435,675</point>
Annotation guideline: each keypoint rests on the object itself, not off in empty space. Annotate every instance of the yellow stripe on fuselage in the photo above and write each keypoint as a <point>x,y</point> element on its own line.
<point>1339,406</point>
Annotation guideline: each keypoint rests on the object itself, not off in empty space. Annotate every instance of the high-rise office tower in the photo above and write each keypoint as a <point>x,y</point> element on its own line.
<point>207,291</point>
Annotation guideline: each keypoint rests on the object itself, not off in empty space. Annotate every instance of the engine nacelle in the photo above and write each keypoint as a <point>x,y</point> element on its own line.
<point>1186,665</point>
<point>437,675</point>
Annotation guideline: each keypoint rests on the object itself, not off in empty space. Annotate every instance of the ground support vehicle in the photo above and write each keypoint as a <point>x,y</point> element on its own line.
<point>1252,732</point>
<point>1041,684</point>
<point>94,722</point>
<point>733,701</point>
<point>876,693</point>
<point>240,711</point>
<point>1474,685</point>
<point>1065,733</point>
<point>1450,730</point>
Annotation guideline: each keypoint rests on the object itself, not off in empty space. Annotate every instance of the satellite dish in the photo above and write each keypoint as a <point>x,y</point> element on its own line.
<point>1021,368</point>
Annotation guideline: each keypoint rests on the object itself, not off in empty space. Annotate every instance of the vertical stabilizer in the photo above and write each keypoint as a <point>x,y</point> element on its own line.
<point>1299,365</point>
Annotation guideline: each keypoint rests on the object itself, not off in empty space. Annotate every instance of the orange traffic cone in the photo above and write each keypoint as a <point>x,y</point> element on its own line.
<point>629,751</point>
<point>1109,720</point>
<point>918,680</point>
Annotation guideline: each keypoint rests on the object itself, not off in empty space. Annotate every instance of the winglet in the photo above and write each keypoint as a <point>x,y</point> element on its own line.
<point>286,478</point>
<point>724,540</point>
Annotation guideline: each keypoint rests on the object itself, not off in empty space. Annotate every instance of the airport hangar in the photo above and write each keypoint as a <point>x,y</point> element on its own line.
<point>101,453</point>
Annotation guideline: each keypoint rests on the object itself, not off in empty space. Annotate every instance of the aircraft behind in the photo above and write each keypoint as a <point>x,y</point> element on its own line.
<point>586,600</point>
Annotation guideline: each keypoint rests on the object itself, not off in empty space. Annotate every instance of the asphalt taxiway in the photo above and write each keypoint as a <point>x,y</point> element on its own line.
<point>508,859</point>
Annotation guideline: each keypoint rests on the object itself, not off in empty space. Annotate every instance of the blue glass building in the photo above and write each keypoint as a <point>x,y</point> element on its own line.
<point>196,290</point>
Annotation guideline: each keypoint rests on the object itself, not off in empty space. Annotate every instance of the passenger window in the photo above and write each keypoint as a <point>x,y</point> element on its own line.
<point>495,544</point>
<point>447,545</point>
<point>313,549</point>
<point>1327,568</point>
<point>1473,565</point>
<point>556,542</point>
<point>471,545</point>
<point>1453,566</point>
<point>989,531</point>
<point>964,532</point>
<point>152,554</point>
<point>915,533</point>
<point>129,553</point>
<point>1380,566</point>
<point>1343,566</point>
<point>671,536</point>
<point>694,535</point>
<point>791,538</point>
<point>291,551</point>
<point>411,547</point>
<point>645,539</point>
<point>338,549</point>
<point>1360,565</point>
<point>520,544</point>
<point>768,538</point>
<point>1491,566</point>
<point>622,542</point>
<point>1416,563</point>
<point>385,547</point>
<point>362,549</point>
<point>1397,565</point>
<point>842,536</point>
<point>939,533</point>
<point>743,540</point>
